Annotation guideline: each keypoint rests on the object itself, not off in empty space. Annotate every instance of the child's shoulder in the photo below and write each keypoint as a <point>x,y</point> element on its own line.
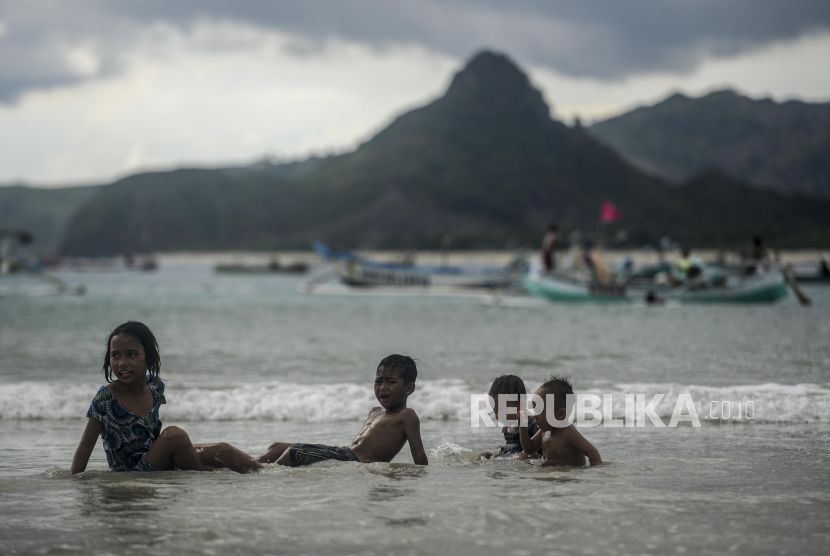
<point>156,383</point>
<point>572,432</point>
<point>104,392</point>
<point>408,414</point>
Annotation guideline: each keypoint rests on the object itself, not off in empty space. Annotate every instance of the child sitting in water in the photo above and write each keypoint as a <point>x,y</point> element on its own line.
<point>384,433</point>
<point>125,413</point>
<point>509,384</point>
<point>559,444</point>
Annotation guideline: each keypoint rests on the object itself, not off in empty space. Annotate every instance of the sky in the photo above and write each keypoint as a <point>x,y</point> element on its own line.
<point>92,90</point>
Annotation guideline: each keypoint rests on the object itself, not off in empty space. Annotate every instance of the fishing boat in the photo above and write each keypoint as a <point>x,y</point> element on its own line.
<point>273,267</point>
<point>712,287</point>
<point>812,273</point>
<point>355,270</point>
<point>10,263</point>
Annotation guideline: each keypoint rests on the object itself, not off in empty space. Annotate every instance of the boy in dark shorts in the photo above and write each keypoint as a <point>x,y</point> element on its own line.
<point>560,445</point>
<point>384,433</point>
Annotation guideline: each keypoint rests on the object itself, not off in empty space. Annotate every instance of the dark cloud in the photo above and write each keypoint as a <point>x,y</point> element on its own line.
<point>48,42</point>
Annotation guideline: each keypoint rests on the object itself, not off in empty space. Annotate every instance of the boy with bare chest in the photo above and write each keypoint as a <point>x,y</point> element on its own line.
<point>560,445</point>
<point>384,433</point>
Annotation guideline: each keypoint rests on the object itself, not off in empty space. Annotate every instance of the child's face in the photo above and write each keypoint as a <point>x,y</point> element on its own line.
<point>127,359</point>
<point>542,418</point>
<point>511,414</point>
<point>390,389</point>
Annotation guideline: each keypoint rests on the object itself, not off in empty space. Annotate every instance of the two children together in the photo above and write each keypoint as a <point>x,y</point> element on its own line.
<point>125,414</point>
<point>557,443</point>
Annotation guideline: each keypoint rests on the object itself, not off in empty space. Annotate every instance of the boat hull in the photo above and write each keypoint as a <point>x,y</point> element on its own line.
<point>361,274</point>
<point>765,288</point>
<point>564,290</point>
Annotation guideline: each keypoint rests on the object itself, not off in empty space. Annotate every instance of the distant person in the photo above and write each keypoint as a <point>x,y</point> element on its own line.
<point>507,385</point>
<point>560,445</point>
<point>384,433</point>
<point>593,260</point>
<point>686,267</point>
<point>125,414</point>
<point>756,257</point>
<point>549,243</point>
<point>653,299</point>
<point>757,252</point>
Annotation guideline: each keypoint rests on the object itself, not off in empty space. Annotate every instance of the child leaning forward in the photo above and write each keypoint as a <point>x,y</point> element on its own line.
<point>125,414</point>
<point>514,387</point>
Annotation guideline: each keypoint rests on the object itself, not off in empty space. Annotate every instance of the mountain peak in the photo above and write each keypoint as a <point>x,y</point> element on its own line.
<point>493,81</point>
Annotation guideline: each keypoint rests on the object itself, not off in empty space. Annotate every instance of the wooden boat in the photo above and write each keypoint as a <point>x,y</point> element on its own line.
<point>712,287</point>
<point>358,271</point>
<point>815,273</point>
<point>272,268</point>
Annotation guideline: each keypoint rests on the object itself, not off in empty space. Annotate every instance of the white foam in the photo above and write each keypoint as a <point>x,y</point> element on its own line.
<point>443,399</point>
<point>432,400</point>
<point>762,403</point>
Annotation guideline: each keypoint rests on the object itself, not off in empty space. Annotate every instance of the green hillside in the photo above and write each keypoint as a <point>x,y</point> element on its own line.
<point>251,208</point>
<point>43,212</point>
<point>485,163</point>
<point>780,145</point>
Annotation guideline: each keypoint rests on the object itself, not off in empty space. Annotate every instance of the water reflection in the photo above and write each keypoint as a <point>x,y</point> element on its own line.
<point>400,471</point>
<point>408,522</point>
<point>119,497</point>
<point>386,493</point>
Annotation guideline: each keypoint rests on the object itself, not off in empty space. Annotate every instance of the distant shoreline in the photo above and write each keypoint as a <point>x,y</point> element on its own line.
<point>454,257</point>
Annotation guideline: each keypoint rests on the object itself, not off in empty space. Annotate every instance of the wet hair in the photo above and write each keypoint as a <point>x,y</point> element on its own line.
<point>402,364</point>
<point>507,384</point>
<point>560,387</point>
<point>138,331</point>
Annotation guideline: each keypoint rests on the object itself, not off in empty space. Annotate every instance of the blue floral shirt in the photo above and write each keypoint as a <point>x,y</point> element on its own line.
<point>127,437</point>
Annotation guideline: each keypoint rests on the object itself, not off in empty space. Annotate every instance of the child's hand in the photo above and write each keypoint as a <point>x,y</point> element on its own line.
<point>485,455</point>
<point>523,418</point>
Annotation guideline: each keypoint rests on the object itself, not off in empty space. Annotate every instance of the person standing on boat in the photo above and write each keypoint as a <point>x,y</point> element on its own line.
<point>686,267</point>
<point>549,243</point>
<point>757,257</point>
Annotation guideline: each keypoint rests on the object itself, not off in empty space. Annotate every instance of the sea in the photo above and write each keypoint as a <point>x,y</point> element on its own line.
<point>252,359</point>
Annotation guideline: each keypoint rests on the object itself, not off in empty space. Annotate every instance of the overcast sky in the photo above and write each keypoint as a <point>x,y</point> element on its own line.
<point>93,90</point>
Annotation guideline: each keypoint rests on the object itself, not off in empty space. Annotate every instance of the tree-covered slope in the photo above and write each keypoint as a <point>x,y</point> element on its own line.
<point>185,210</point>
<point>763,142</point>
<point>43,212</point>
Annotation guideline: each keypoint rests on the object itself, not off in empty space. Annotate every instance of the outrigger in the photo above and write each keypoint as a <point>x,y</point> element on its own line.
<point>355,270</point>
<point>11,264</point>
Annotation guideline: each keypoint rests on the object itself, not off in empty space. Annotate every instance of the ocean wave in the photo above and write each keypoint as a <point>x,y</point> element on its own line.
<point>760,403</point>
<point>442,399</point>
<point>433,400</point>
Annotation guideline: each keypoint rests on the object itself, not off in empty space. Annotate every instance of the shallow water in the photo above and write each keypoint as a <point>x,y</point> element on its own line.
<point>250,361</point>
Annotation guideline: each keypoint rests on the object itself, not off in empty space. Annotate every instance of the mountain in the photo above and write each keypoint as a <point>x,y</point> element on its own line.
<point>188,209</point>
<point>43,212</point>
<point>785,146</point>
<point>485,163</point>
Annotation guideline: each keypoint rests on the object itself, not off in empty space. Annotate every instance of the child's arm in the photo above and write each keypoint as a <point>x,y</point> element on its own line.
<point>587,449</point>
<point>529,445</point>
<point>87,444</point>
<point>412,431</point>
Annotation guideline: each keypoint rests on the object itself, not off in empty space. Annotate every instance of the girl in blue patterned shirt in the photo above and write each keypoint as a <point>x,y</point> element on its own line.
<point>125,414</point>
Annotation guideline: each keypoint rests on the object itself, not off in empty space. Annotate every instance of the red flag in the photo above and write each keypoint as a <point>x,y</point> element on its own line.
<point>610,212</point>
